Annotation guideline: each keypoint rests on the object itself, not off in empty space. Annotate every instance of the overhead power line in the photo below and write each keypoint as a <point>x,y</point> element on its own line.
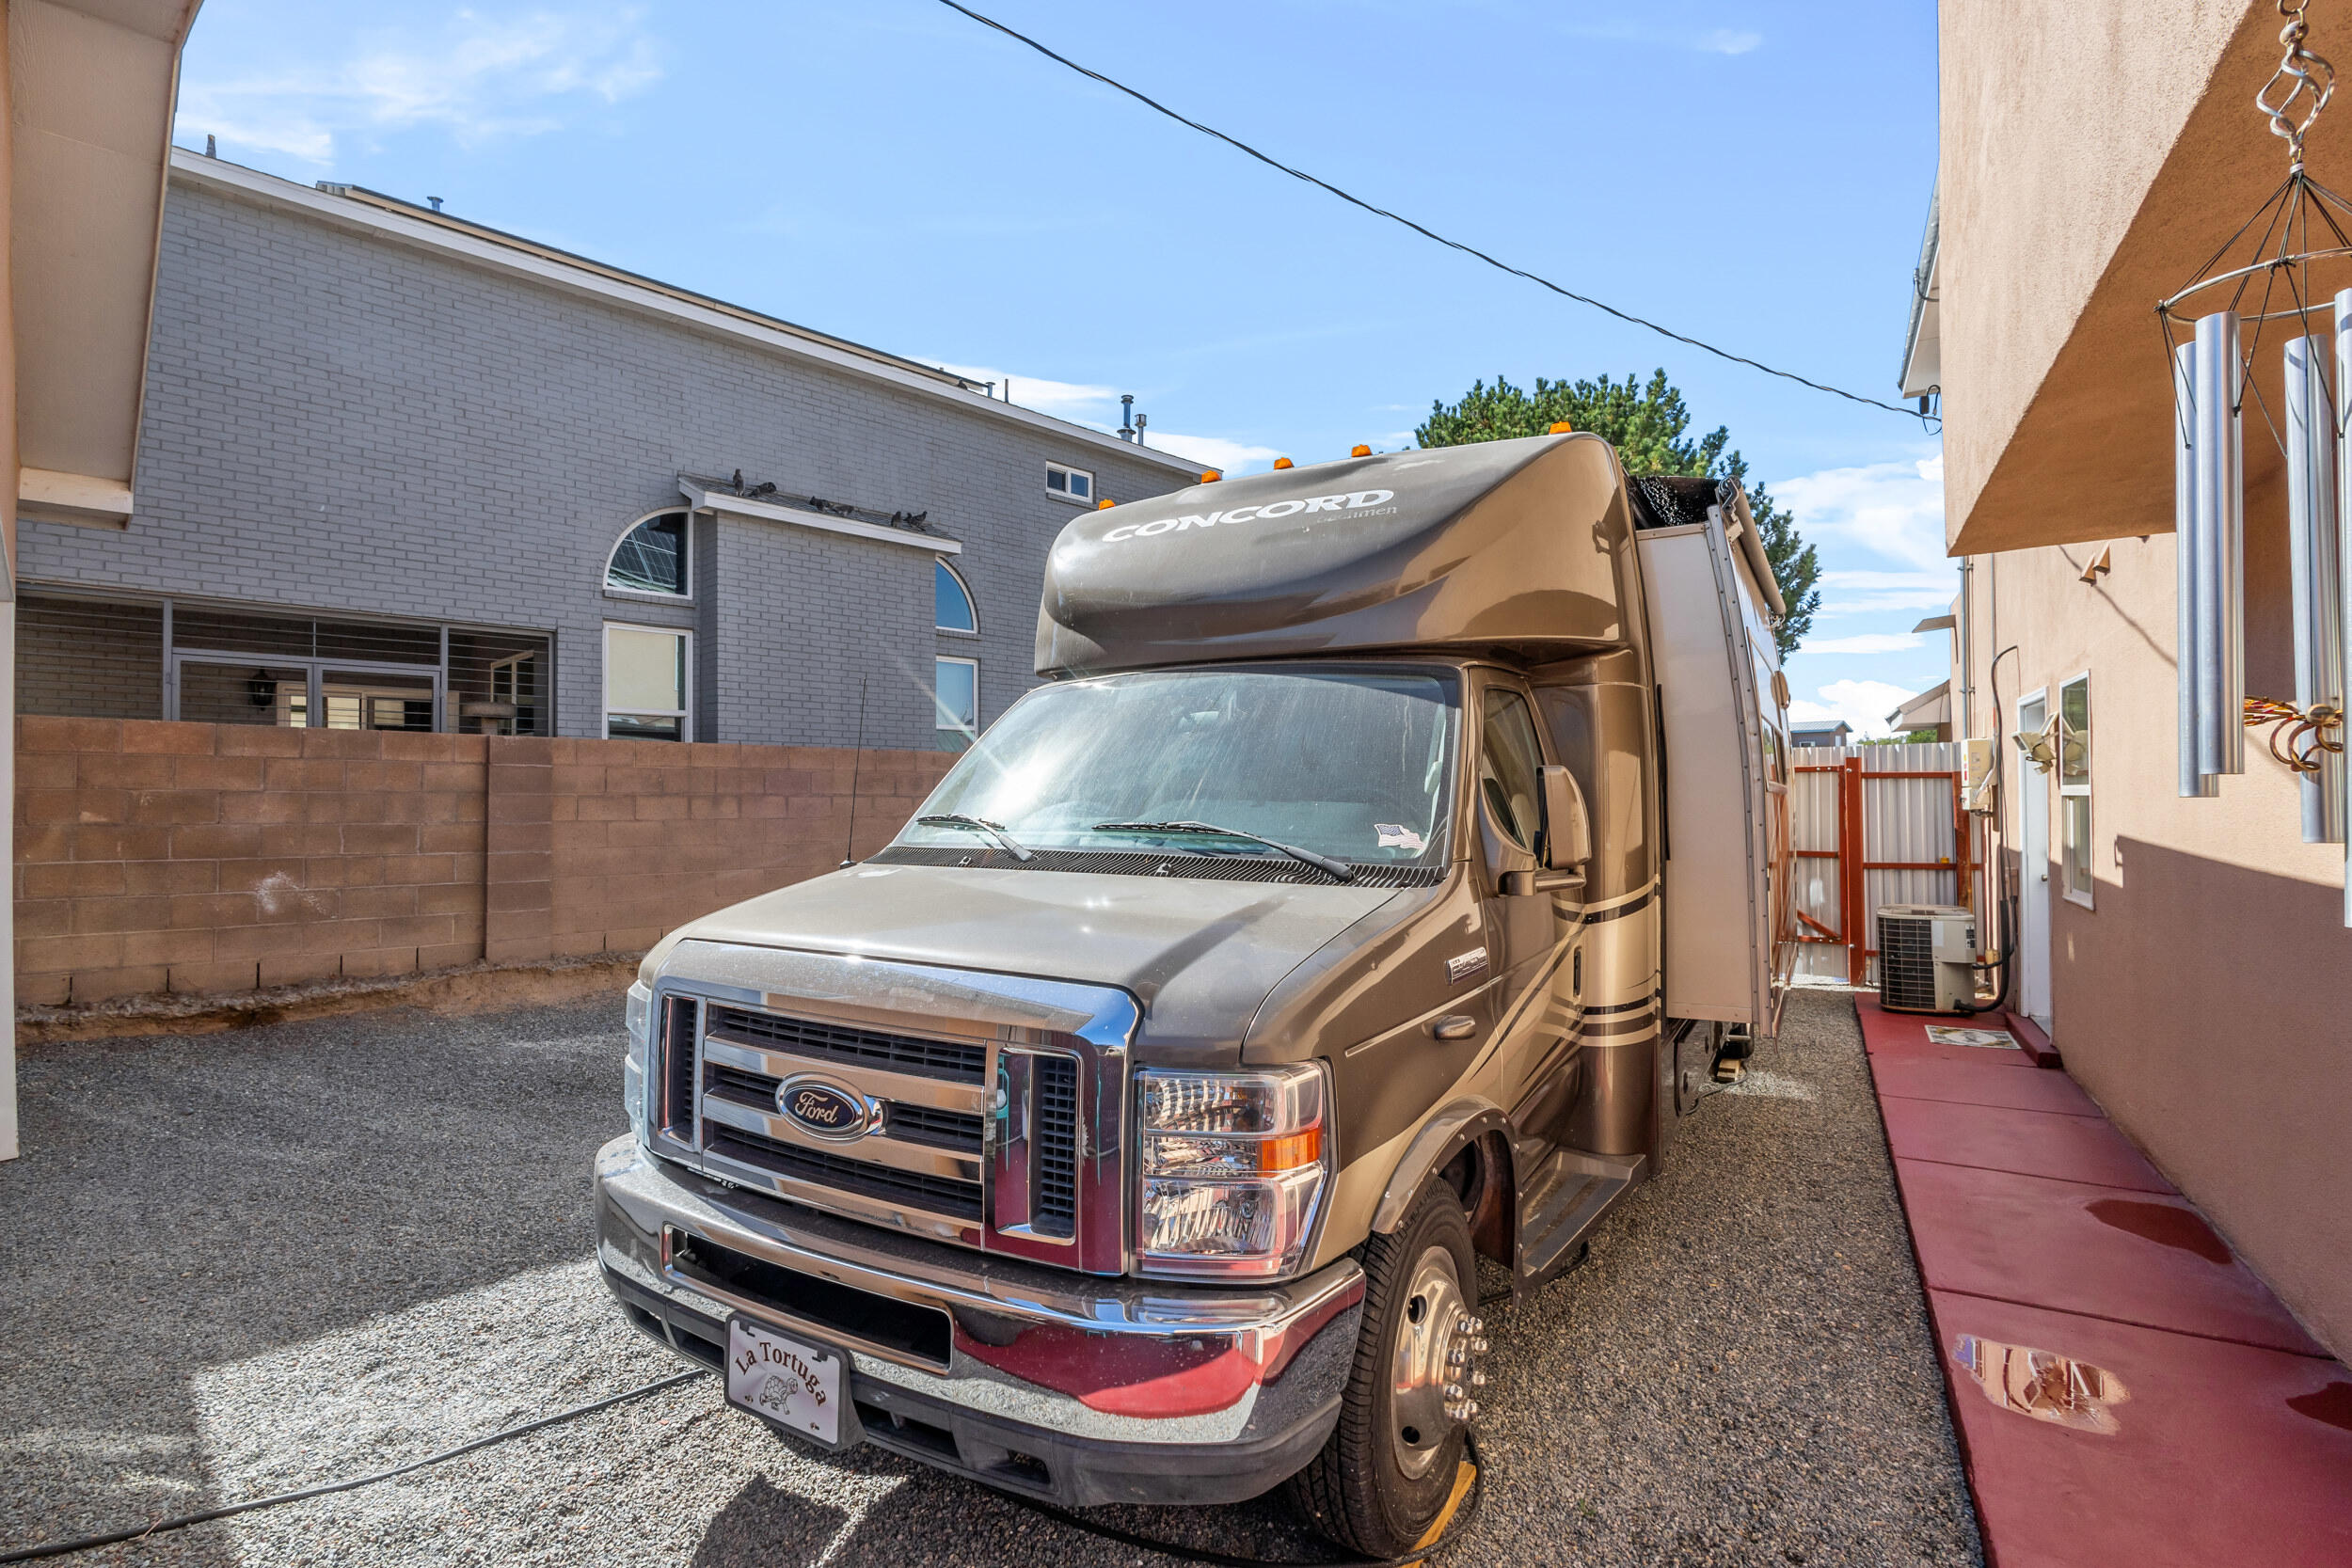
<point>1425,232</point>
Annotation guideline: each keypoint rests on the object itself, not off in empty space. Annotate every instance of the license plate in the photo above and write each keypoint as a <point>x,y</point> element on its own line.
<point>781,1379</point>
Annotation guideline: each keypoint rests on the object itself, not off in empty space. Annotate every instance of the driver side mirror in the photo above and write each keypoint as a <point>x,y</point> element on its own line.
<point>1567,828</point>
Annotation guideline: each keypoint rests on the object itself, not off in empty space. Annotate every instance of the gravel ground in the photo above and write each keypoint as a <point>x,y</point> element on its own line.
<point>248,1263</point>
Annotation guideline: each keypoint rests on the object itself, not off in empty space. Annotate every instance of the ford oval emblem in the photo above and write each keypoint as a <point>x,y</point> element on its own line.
<point>826,1109</point>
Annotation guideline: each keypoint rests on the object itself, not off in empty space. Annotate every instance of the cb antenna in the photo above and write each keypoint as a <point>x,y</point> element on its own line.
<point>848,846</point>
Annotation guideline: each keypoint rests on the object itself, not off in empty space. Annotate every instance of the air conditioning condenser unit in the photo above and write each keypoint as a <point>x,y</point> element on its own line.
<point>1927,958</point>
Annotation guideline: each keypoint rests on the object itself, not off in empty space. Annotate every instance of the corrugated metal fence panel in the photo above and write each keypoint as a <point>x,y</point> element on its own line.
<point>1813,825</point>
<point>1908,821</point>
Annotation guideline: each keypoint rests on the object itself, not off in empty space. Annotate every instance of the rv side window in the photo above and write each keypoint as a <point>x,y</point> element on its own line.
<point>1510,763</point>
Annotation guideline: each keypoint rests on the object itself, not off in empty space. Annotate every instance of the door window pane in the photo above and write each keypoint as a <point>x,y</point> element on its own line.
<point>243,694</point>
<point>958,689</point>
<point>1509,767</point>
<point>354,700</point>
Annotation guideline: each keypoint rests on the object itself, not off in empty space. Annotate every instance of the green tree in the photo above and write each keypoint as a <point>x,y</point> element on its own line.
<point>1649,425</point>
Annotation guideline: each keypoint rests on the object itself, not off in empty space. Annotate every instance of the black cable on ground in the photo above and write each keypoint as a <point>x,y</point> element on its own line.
<point>1455,1526</point>
<point>90,1543</point>
<point>1926,420</point>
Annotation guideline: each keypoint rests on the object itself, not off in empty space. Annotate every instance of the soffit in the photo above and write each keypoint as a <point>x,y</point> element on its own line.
<point>92,87</point>
<point>2091,454</point>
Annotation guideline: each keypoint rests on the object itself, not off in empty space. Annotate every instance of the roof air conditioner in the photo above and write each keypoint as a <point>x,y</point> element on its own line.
<point>1927,958</point>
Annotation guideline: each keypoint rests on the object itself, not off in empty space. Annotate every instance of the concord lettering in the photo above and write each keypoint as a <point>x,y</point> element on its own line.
<point>1357,502</point>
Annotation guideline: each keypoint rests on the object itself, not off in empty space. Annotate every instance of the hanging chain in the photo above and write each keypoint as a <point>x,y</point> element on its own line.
<point>2299,72</point>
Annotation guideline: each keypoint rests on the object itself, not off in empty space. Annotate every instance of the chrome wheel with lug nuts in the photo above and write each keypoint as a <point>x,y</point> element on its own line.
<point>1385,1476</point>
<point>1433,1376</point>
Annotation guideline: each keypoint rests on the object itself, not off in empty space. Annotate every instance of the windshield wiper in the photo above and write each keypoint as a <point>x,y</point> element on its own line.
<point>980,825</point>
<point>1338,869</point>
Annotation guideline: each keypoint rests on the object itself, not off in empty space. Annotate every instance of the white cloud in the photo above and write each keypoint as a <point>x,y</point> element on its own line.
<point>1852,593</point>
<point>1864,704</point>
<point>1213,451</point>
<point>483,79</point>
<point>1712,40</point>
<point>1067,400</point>
<point>1892,509</point>
<point>1097,406</point>
<point>1863,643</point>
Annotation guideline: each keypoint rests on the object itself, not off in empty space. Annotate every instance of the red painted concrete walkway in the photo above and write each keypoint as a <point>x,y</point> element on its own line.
<point>2126,1391</point>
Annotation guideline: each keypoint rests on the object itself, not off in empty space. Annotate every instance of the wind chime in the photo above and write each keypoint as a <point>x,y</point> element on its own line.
<point>2268,280</point>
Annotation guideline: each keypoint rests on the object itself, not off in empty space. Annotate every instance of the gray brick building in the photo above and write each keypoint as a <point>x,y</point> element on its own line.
<point>394,467</point>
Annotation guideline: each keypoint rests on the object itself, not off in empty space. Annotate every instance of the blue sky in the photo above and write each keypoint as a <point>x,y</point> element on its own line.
<point>1755,174</point>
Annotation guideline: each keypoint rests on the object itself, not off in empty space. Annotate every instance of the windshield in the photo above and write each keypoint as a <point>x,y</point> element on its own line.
<point>1355,766</point>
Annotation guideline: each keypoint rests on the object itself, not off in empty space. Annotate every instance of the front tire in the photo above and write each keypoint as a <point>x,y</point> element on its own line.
<point>1386,1472</point>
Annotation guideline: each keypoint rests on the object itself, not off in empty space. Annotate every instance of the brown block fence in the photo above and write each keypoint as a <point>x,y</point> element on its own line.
<point>156,857</point>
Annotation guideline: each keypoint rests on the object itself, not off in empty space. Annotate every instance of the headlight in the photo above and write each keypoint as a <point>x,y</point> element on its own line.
<point>634,1065</point>
<point>1230,1167</point>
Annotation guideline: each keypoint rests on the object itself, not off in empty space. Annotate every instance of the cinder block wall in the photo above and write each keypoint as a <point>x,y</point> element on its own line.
<point>643,835</point>
<point>157,858</point>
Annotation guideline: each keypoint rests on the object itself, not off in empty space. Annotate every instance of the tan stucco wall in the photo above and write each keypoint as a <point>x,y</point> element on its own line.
<point>2202,998</point>
<point>2094,157</point>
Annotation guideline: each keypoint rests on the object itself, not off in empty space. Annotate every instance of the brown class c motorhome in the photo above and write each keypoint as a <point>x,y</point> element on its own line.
<point>1398,845</point>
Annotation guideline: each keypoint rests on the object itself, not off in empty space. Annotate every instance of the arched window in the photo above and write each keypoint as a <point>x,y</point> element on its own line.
<point>952,610</point>
<point>651,558</point>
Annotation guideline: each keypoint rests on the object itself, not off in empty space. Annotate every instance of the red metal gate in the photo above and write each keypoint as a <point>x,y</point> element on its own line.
<point>1878,808</point>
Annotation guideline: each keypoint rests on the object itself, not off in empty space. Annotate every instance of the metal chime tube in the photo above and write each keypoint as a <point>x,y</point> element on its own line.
<point>2313,576</point>
<point>2220,549</point>
<point>2194,783</point>
<point>2344,563</point>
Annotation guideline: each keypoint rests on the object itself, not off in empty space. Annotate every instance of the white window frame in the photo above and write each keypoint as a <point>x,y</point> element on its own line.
<point>1064,495</point>
<point>686,539</point>
<point>2066,792</point>
<point>940,564</point>
<point>939,710</point>
<point>684,716</point>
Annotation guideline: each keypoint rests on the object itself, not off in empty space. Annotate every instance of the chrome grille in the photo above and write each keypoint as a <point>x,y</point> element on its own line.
<point>836,1042</point>
<point>936,1194</point>
<point>923,1124</point>
<point>1054,1207</point>
<point>1003,1129</point>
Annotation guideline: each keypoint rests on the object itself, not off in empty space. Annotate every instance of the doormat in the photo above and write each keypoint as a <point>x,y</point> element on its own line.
<point>1997,1039</point>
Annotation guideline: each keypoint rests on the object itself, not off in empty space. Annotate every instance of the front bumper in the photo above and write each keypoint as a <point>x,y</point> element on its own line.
<point>1083,1389</point>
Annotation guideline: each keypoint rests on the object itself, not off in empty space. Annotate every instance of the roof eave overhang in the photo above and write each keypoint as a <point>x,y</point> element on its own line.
<point>94,88</point>
<point>2091,456</point>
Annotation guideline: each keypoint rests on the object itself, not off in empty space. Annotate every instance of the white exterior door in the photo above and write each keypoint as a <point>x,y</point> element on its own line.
<point>2033,872</point>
